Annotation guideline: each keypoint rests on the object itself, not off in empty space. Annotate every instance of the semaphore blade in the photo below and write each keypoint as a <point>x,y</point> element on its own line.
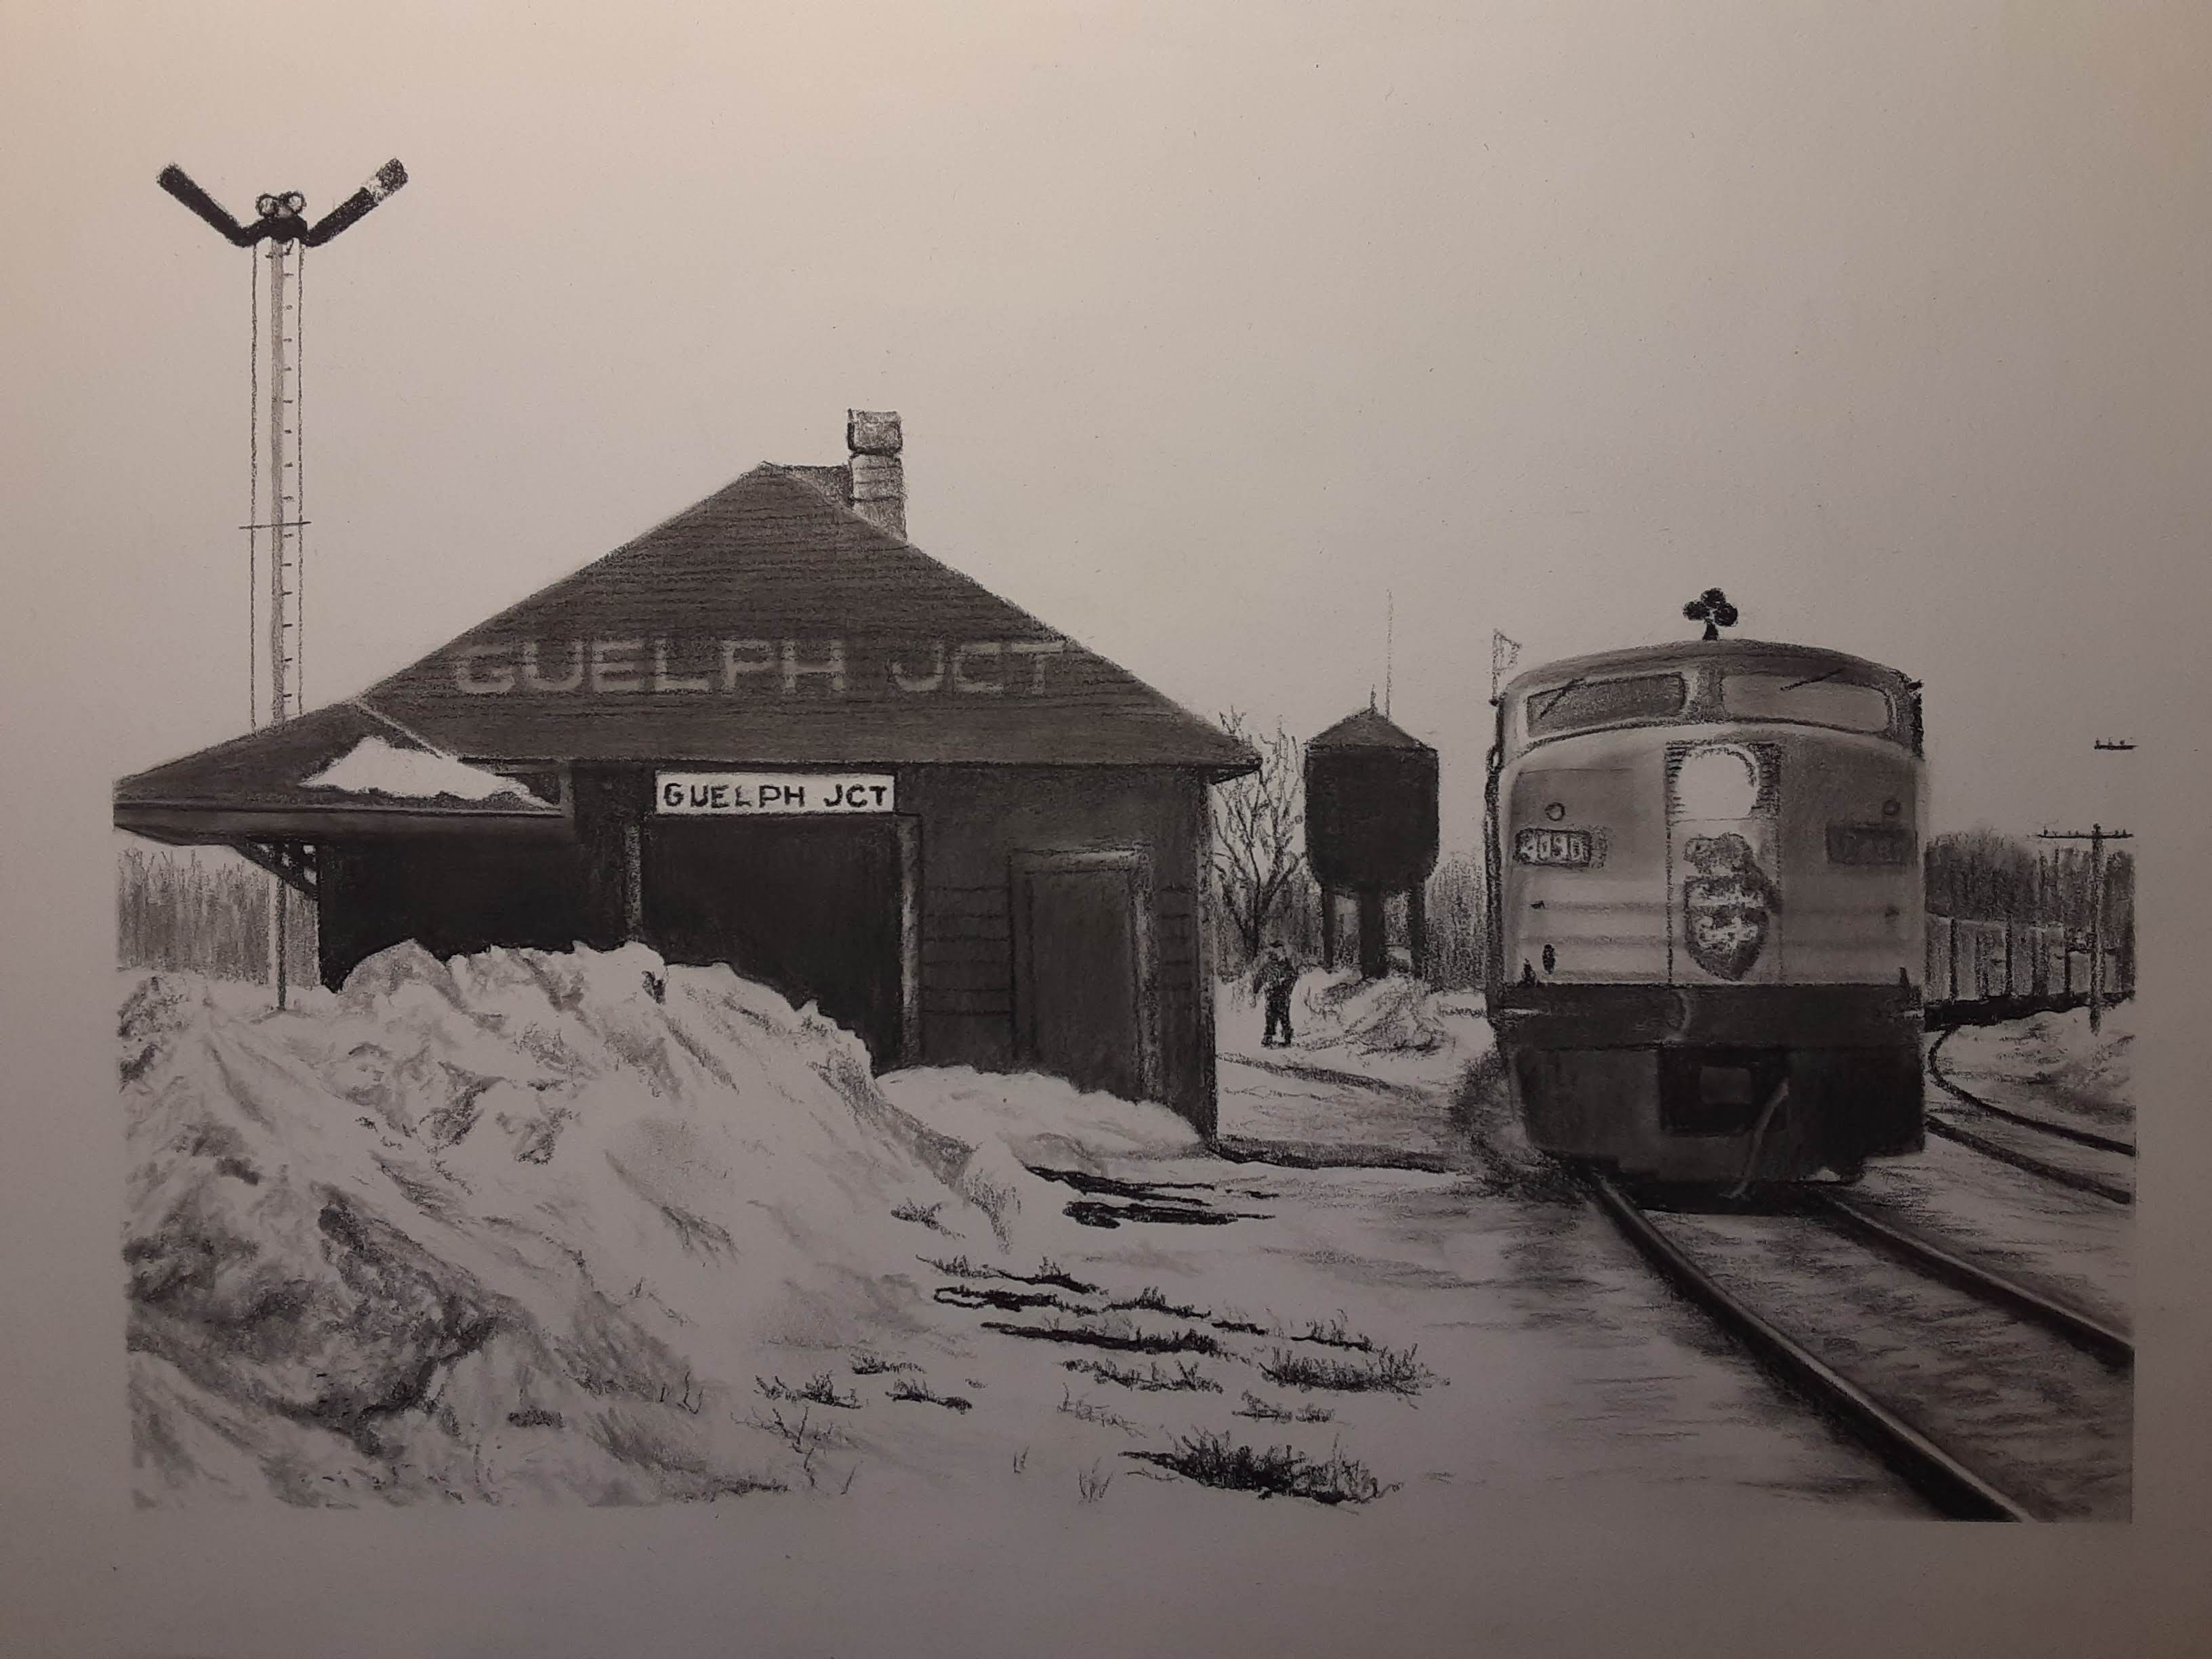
<point>388,178</point>
<point>178,184</point>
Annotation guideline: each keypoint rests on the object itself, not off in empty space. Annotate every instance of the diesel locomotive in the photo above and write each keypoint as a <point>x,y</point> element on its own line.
<point>1706,947</point>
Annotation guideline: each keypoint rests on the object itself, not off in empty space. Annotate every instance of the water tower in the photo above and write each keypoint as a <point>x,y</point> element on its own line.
<point>1371,829</point>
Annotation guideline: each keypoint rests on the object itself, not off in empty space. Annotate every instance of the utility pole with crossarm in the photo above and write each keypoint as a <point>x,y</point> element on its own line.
<point>2096,835</point>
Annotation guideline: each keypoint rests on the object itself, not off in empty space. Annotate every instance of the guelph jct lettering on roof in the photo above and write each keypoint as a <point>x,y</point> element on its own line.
<point>773,732</point>
<point>775,621</point>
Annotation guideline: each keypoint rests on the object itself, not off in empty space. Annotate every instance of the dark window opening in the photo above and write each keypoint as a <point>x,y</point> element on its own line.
<point>808,906</point>
<point>1817,699</point>
<point>1581,705</point>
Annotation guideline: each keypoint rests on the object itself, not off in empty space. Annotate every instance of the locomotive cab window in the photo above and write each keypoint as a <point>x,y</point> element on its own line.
<point>1582,705</point>
<point>1815,698</point>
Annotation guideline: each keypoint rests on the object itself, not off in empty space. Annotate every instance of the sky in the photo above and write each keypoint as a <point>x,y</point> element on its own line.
<point>1246,345</point>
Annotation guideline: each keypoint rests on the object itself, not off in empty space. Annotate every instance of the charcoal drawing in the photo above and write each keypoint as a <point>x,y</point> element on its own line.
<point>709,944</point>
<point>983,833</point>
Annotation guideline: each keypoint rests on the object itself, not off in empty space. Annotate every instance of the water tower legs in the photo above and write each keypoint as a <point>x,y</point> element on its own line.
<point>1374,942</point>
<point>1373,929</point>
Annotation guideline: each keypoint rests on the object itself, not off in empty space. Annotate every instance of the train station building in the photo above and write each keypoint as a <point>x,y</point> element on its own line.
<point>770,732</point>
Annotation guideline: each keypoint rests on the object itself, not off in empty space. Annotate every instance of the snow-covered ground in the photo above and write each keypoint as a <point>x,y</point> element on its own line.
<point>2054,1064</point>
<point>2075,1245</point>
<point>2071,1245</point>
<point>590,1228</point>
<point>1395,1029</point>
<point>1371,1070</point>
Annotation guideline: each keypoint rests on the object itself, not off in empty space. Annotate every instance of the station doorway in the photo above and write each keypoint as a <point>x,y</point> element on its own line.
<point>1082,967</point>
<point>813,906</point>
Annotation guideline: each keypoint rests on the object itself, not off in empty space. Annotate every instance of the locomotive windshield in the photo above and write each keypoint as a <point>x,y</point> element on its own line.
<point>1817,698</point>
<point>1837,693</point>
<point>1582,704</point>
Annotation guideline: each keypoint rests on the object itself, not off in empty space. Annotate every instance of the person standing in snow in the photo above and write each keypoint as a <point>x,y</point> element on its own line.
<point>1274,978</point>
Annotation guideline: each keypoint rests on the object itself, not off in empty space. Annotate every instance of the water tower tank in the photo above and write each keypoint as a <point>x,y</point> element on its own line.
<point>1371,807</point>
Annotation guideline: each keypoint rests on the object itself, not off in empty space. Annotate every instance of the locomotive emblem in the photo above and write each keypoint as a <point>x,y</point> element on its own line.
<point>1727,906</point>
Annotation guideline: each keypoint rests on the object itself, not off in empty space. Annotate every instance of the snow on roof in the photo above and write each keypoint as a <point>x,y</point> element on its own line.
<point>376,767</point>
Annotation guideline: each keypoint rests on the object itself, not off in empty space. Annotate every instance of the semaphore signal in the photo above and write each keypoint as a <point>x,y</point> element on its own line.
<point>283,225</point>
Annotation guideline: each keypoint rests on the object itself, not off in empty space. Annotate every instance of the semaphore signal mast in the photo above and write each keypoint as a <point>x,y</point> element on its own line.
<point>274,619</point>
<point>288,235</point>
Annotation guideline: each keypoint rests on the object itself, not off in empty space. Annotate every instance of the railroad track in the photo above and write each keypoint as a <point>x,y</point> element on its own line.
<point>2062,1174</point>
<point>1897,1432</point>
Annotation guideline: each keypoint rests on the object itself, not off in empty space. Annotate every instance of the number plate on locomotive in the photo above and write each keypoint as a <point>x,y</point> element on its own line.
<point>1870,843</point>
<point>1570,847</point>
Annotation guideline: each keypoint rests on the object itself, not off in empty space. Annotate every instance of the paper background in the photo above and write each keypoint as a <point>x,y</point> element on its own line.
<point>523,411</point>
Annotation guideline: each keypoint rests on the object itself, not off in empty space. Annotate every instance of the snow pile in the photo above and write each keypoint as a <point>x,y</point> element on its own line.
<point>2092,1071</point>
<point>1039,1121</point>
<point>1393,1015</point>
<point>520,1225</point>
<point>1394,1029</point>
<point>374,767</point>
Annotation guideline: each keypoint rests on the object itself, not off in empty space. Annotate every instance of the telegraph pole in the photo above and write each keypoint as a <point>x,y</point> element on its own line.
<point>2096,835</point>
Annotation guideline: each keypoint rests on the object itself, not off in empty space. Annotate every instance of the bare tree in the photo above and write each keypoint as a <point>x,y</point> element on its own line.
<point>1259,831</point>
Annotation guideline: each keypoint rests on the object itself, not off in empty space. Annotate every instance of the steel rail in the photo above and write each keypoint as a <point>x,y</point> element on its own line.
<point>2035,1166</point>
<point>2027,1121</point>
<point>1948,1484</point>
<point>2114,1347</point>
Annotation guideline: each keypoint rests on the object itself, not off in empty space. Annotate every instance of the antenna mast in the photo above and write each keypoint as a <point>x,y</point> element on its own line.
<point>1389,646</point>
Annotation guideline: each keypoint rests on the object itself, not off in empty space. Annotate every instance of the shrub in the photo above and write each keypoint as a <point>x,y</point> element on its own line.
<point>1386,1370</point>
<point>1214,1460</point>
<point>922,1392</point>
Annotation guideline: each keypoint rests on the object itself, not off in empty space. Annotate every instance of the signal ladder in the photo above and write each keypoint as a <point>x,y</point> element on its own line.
<point>283,605</point>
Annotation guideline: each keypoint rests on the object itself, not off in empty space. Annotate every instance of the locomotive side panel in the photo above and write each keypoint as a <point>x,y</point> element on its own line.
<point>1854,913</point>
<point>1594,911</point>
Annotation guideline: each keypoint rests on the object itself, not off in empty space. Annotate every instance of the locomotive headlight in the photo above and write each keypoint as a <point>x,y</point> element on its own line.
<point>1716,780</point>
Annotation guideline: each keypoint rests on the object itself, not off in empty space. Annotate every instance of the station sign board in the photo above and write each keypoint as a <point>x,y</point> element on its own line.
<point>772,794</point>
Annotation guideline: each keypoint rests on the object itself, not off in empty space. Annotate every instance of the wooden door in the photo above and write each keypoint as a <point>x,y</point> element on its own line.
<point>1084,1000</point>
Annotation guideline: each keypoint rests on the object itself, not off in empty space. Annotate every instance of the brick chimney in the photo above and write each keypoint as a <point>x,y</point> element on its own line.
<point>878,475</point>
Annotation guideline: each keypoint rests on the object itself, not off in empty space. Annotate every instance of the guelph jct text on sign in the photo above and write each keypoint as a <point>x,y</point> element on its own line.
<point>759,794</point>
